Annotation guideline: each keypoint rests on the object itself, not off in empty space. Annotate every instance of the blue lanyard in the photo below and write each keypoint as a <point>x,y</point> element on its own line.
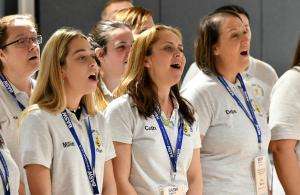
<point>4,176</point>
<point>251,116</point>
<point>11,91</point>
<point>172,155</point>
<point>90,170</point>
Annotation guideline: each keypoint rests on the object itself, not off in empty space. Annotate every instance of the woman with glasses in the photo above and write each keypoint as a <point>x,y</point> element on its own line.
<point>19,59</point>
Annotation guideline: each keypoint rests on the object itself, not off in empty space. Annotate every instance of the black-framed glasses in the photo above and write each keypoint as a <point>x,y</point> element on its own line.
<point>24,42</point>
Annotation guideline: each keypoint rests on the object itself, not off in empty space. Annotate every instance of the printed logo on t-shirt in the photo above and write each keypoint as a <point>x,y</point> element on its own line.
<point>68,144</point>
<point>187,129</point>
<point>231,111</point>
<point>98,141</point>
<point>258,91</point>
<point>257,108</point>
<point>150,128</point>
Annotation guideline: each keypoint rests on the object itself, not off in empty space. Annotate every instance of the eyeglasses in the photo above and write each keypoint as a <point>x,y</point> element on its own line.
<point>24,42</point>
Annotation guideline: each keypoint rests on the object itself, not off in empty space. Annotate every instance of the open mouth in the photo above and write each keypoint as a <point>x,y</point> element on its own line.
<point>244,53</point>
<point>33,58</point>
<point>93,77</point>
<point>176,66</point>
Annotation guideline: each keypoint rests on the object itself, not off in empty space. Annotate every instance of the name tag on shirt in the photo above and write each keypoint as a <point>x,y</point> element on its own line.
<point>172,190</point>
<point>260,168</point>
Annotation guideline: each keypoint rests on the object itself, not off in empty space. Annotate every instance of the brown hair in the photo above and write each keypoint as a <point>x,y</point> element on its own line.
<point>137,81</point>
<point>134,17</point>
<point>108,3</point>
<point>208,36</point>
<point>5,22</point>
<point>296,61</point>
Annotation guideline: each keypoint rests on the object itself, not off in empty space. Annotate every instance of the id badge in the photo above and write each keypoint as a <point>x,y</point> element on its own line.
<point>261,181</point>
<point>172,190</point>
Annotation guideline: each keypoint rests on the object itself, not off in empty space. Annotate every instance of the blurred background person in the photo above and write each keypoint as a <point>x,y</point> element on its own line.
<point>112,43</point>
<point>140,19</point>
<point>112,6</point>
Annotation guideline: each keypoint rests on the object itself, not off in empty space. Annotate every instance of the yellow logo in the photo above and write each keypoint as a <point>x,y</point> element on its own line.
<point>186,129</point>
<point>98,141</point>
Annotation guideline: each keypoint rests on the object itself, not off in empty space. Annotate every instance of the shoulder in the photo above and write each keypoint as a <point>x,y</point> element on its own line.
<point>200,84</point>
<point>263,71</point>
<point>290,80</point>
<point>121,104</point>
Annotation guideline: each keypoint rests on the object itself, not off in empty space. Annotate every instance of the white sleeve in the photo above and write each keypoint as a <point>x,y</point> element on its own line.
<point>35,141</point>
<point>196,134</point>
<point>285,107</point>
<point>109,147</point>
<point>200,100</point>
<point>119,121</point>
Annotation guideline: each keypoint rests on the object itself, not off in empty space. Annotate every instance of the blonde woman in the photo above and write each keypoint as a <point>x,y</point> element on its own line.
<point>140,19</point>
<point>65,148</point>
<point>152,117</point>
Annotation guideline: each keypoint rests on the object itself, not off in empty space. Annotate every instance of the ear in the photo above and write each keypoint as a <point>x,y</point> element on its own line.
<point>99,53</point>
<point>147,62</point>
<point>216,51</point>
<point>2,55</point>
<point>63,73</point>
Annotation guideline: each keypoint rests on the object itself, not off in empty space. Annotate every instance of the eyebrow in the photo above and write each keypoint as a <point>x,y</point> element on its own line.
<point>120,42</point>
<point>82,50</point>
<point>173,43</point>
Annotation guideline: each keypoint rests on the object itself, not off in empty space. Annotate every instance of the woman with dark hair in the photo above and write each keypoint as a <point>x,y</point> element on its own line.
<point>112,42</point>
<point>234,133</point>
<point>157,149</point>
<point>285,127</point>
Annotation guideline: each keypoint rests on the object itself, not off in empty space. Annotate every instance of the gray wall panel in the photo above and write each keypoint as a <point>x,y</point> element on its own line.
<point>281,30</point>
<point>274,23</point>
<point>79,14</point>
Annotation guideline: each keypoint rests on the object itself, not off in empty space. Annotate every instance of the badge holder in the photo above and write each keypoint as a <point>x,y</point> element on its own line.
<point>260,170</point>
<point>172,189</point>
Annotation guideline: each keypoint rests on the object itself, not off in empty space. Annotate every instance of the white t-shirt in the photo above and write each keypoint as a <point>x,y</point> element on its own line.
<point>14,174</point>
<point>46,140</point>
<point>230,144</point>
<point>260,75</point>
<point>9,114</point>
<point>150,164</point>
<point>107,94</point>
<point>285,108</point>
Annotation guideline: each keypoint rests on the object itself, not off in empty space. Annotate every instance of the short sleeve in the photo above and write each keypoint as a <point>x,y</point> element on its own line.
<point>119,120</point>
<point>199,98</point>
<point>109,147</point>
<point>285,107</point>
<point>196,134</point>
<point>35,141</point>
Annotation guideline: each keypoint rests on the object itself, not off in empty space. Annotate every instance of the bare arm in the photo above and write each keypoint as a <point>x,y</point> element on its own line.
<point>109,184</point>
<point>39,180</point>
<point>286,164</point>
<point>21,189</point>
<point>122,165</point>
<point>195,175</point>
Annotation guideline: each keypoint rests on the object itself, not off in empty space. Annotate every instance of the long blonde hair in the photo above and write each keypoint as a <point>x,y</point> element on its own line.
<point>49,93</point>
